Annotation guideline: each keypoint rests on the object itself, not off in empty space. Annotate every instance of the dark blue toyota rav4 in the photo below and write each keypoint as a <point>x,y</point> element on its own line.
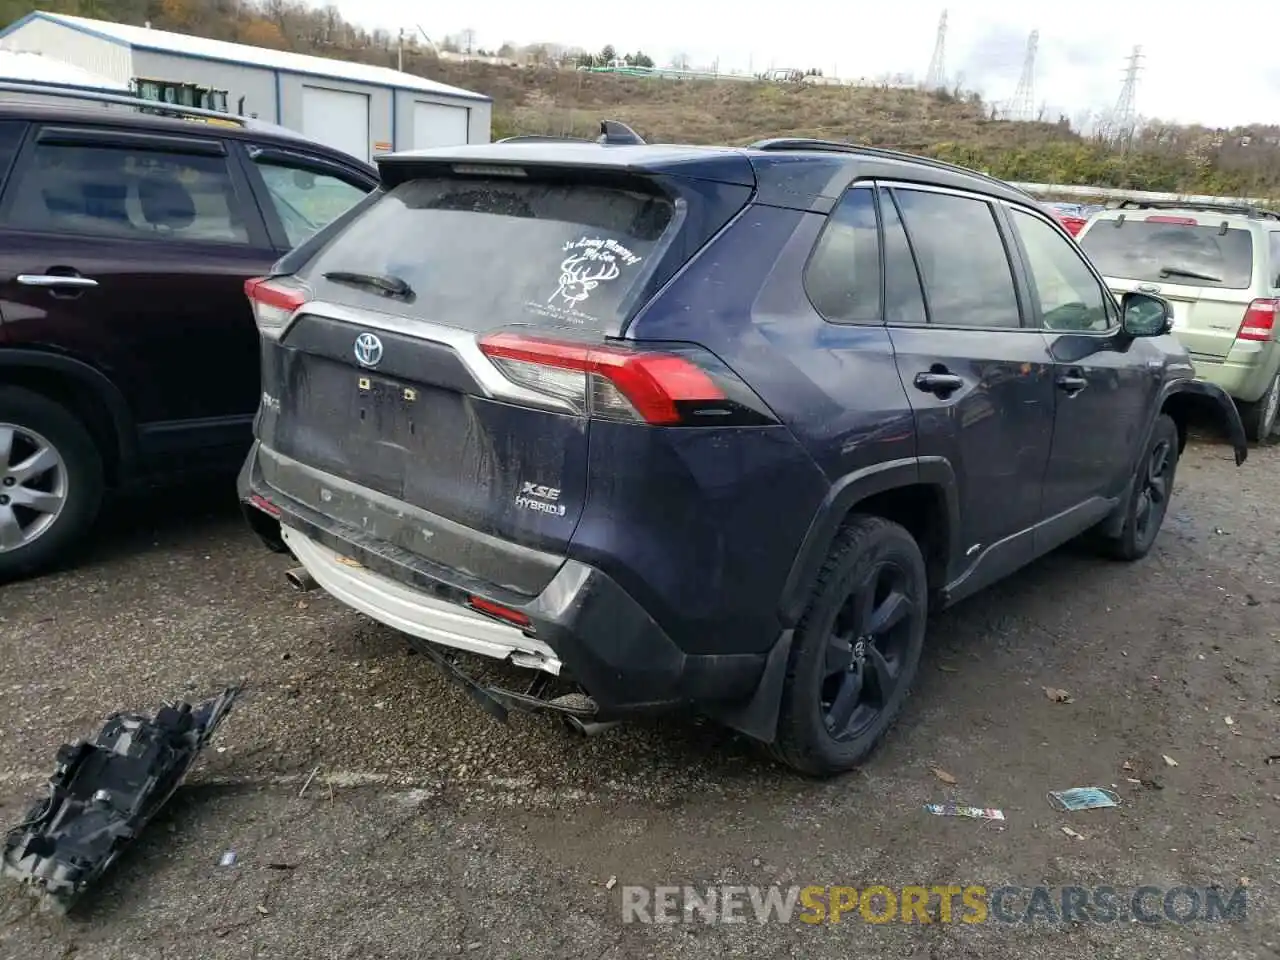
<point>712,428</point>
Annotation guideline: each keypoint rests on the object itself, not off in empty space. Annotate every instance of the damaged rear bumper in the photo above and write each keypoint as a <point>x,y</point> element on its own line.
<point>581,623</point>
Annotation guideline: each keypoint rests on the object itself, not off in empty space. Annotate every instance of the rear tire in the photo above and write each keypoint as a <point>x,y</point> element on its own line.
<point>863,630</point>
<point>67,494</point>
<point>1149,495</point>
<point>1260,416</point>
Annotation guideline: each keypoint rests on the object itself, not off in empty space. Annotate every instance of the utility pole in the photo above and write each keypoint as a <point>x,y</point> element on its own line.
<point>937,75</point>
<point>400,52</point>
<point>1023,106</point>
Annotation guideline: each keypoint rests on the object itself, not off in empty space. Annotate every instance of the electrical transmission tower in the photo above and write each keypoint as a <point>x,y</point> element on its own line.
<point>1023,104</point>
<point>937,75</point>
<point>1120,125</point>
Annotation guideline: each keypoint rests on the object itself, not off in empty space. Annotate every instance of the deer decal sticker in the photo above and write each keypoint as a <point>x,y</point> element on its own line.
<point>581,274</point>
<point>589,263</point>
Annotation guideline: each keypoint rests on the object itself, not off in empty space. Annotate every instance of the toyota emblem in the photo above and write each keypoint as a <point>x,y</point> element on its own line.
<point>368,350</point>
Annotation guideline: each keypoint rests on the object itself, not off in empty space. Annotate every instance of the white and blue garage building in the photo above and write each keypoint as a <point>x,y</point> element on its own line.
<point>361,109</point>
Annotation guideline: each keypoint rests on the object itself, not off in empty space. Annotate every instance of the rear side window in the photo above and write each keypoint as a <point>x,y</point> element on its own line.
<point>482,253</point>
<point>127,194</point>
<point>1275,259</point>
<point>1162,251</point>
<point>843,276</point>
<point>968,280</point>
<point>903,298</point>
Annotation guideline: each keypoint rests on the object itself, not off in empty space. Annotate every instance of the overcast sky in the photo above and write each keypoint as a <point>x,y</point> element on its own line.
<point>1206,65</point>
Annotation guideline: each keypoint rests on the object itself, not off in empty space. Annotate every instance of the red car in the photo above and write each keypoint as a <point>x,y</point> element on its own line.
<point>1069,215</point>
<point>1073,224</point>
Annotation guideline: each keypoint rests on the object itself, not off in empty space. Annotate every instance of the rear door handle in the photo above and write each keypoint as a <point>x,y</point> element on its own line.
<point>54,280</point>
<point>939,384</point>
<point>1072,383</point>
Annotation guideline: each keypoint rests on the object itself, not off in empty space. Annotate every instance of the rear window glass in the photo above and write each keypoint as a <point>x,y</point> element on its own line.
<point>482,253</point>
<point>1155,252</point>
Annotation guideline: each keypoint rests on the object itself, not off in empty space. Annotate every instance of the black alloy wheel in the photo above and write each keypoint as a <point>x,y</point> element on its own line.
<point>856,650</point>
<point>866,650</point>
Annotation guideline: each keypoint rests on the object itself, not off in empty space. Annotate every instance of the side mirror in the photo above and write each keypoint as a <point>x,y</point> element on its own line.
<point>1145,315</point>
<point>304,179</point>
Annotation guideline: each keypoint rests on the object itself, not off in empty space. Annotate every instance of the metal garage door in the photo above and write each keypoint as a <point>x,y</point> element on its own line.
<point>337,118</point>
<point>437,125</point>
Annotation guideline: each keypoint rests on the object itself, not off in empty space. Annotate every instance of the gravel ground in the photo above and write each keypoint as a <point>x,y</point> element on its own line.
<point>430,830</point>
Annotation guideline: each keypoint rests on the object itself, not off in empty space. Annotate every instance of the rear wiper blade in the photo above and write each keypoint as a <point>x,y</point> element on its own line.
<point>1192,274</point>
<point>388,284</point>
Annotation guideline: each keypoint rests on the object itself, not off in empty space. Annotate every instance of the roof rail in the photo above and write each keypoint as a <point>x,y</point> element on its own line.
<point>806,143</point>
<point>541,138</point>
<point>618,133</point>
<point>839,146</point>
<point>123,99</point>
<point>1244,209</point>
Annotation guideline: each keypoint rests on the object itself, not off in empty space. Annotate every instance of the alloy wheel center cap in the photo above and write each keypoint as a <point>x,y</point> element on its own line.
<point>859,650</point>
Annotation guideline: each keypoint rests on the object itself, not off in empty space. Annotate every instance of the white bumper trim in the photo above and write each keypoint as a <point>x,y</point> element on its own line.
<point>415,613</point>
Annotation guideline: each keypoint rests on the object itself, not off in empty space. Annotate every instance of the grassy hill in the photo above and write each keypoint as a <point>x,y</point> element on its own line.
<point>547,100</point>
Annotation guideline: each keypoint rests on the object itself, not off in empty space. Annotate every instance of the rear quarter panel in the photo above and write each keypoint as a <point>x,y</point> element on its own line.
<point>708,529</point>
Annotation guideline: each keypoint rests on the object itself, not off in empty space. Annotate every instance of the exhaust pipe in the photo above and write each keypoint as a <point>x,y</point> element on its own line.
<point>300,579</point>
<point>589,728</point>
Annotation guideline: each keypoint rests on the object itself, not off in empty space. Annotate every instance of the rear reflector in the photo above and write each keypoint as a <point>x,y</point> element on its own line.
<point>497,610</point>
<point>1186,221</point>
<point>263,504</point>
<point>1259,321</point>
<point>614,383</point>
<point>274,300</point>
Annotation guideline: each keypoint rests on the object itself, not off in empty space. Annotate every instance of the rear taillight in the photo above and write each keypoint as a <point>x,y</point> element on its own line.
<point>667,387</point>
<point>274,300</point>
<point>1259,321</point>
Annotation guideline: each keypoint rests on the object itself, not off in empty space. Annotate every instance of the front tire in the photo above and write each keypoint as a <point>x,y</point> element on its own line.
<point>856,650</point>
<point>1149,495</point>
<point>1259,417</point>
<point>51,482</point>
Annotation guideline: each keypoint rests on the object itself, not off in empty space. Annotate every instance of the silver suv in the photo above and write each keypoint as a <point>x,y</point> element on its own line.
<point>1219,265</point>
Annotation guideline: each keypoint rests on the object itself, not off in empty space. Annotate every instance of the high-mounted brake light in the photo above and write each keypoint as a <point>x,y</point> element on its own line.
<point>610,382</point>
<point>274,299</point>
<point>1186,221</point>
<point>1259,320</point>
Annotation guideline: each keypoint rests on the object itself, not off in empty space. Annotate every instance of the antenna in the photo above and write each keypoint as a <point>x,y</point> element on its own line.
<point>1023,105</point>
<point>1120,125</point>
<point>937,75</point>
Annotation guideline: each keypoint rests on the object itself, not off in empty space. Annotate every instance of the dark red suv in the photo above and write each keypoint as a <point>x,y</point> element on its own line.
<point>128,350</point>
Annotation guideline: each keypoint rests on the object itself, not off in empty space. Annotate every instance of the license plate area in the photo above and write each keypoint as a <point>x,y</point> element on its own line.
<point>386,407</point>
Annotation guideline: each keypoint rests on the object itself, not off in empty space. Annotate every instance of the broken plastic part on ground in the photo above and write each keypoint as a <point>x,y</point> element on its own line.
<point>957,810</point>
<point>102,793</point>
